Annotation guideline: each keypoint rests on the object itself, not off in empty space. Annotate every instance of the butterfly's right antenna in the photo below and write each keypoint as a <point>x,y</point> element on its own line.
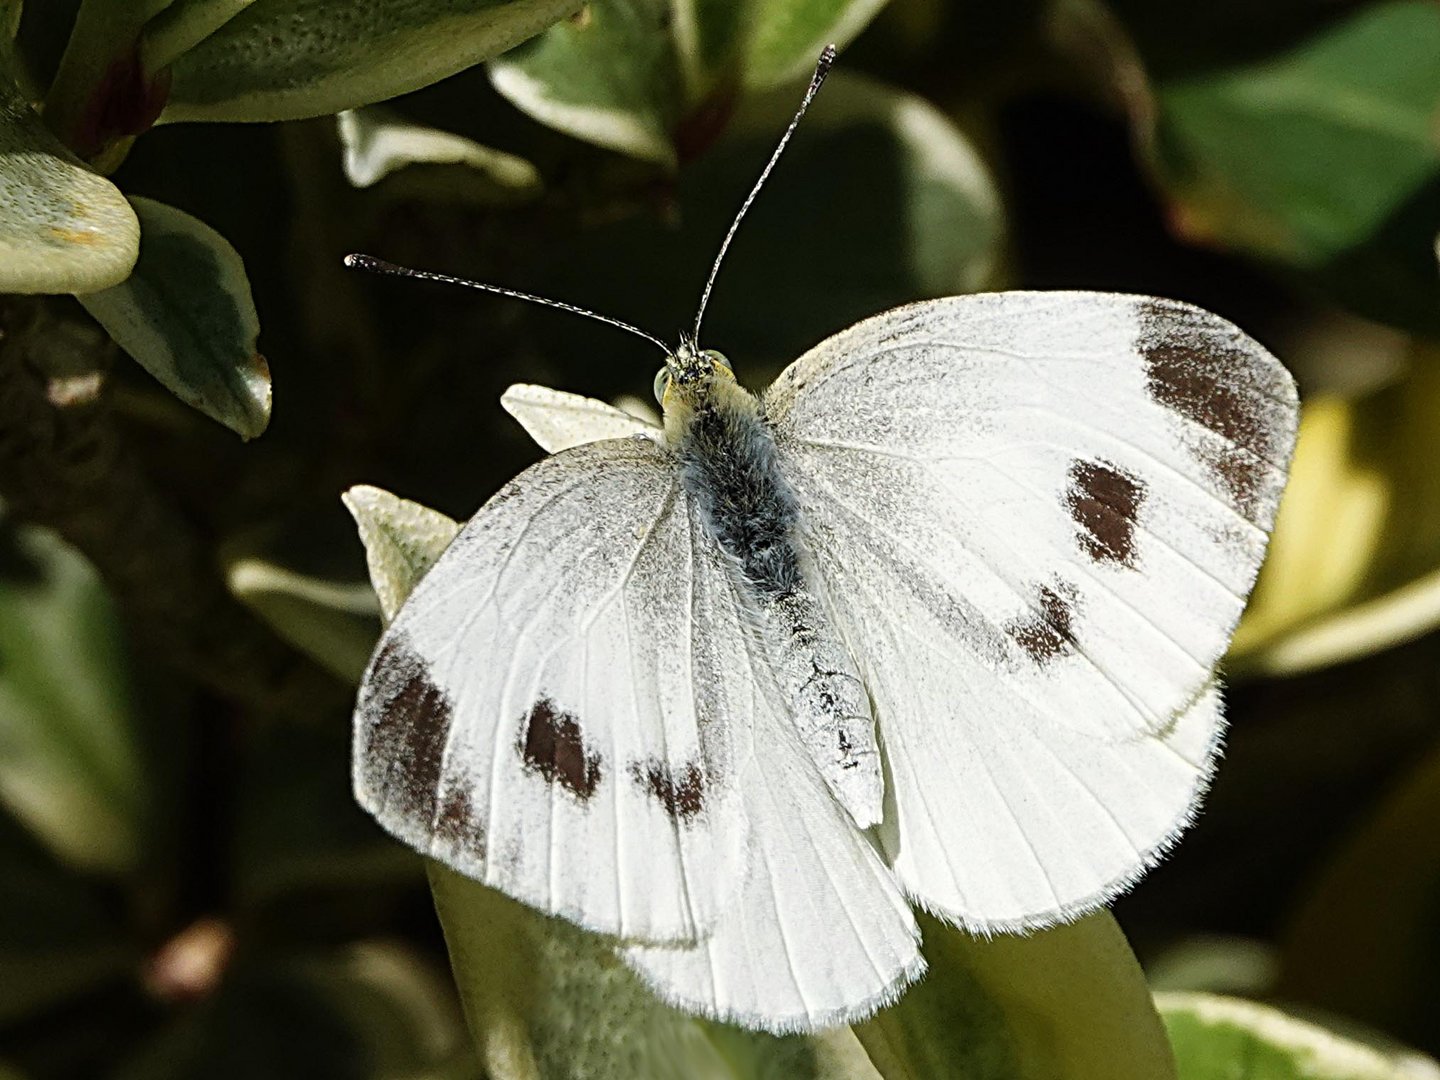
<point>380,266</point>
<point>822,68</point>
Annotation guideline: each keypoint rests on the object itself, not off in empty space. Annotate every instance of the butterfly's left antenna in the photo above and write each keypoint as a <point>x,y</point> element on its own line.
<point>380,266</point>
<point>822,68</point>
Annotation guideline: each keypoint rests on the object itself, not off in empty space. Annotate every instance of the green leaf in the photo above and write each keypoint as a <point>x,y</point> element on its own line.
<point>660,84</point>
<point>186,315</point>
<point>1218,1038</point>
<point>288,59</point>
<point>880,200</point>
<point>417,161</point>
<point>56,938</point>
<point>1070,1002</point>
<point>1354,562</point>
<point>546,999</point>
<point>1339,951</point>
<point>62,227</point>
<point>1321,158</point>
<point>70,764</point>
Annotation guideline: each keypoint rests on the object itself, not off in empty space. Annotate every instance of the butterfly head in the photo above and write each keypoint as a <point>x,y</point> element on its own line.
<point>690,374</point>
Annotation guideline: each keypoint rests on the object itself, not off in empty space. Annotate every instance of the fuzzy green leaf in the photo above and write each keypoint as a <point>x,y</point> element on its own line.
<point>187,316</point>
<point>1217,1038</point>
<point>402,541</point>
<point>1070,1002</point>
<point>287,59</point>
<point>70,764</point>
<point>1322,158</point>
<point>659,84</point>
<point>62,227</point>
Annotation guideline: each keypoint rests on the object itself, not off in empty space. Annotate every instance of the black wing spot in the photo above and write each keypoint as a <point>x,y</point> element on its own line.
<point>551,744</point>
<point>1046,632</point>
<point>1105,501</point>
<point>681,794</point>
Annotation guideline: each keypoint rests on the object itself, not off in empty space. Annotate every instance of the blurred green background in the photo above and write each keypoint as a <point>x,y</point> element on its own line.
<point>186,888</point>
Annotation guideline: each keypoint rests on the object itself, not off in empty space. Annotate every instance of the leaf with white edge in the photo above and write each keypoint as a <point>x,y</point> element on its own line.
<point>558,420</point>
<point>659,81</point>
<point>71,767</point>
<point>63,228</point>
<point>1337,954</point>
<point>1069,1003</point>
<point>290,59</point>
<point>1217,964</point>
<point>1354,562</point>
<point>187,316</point>
<point>1217,1038</point>
<point>402,541</point>
<point>378,144</point>
<point>333,622</point>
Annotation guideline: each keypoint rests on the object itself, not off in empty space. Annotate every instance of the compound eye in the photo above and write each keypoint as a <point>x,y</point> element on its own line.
<point>720,358</point>
<point>662,381</point>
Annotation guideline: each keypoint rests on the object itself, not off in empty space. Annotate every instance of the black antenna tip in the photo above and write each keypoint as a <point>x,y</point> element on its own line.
<point>827,56</point>
<point>357,262</point>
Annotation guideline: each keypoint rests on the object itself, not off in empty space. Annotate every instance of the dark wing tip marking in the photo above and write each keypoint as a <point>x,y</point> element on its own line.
<point>552,745</point>
<point>457,823</point>
<point>1105,502</point>
<point>681,795</point>
<point>407,740</point>
<point>1047,631</point>
<point>1197,366</point>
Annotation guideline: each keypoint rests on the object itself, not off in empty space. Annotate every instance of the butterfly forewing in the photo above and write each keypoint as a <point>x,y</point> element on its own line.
<point>553,710</point>
<point>1035,518</point>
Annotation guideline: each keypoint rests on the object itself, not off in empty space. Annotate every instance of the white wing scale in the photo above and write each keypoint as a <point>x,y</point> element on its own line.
<point>551,712</point>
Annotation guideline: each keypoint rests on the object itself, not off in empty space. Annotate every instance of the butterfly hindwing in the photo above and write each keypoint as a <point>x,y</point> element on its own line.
<point>820,933</point>
<point>1034,518</point>
<point>551,712</point>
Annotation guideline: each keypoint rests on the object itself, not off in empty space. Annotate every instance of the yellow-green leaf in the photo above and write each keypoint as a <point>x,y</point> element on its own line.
<point>1354,563</point>
<point>63,228</point>
<point>1220,1038</point>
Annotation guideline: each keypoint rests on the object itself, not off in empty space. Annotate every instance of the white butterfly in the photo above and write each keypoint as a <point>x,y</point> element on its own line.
<point>934,619</point>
